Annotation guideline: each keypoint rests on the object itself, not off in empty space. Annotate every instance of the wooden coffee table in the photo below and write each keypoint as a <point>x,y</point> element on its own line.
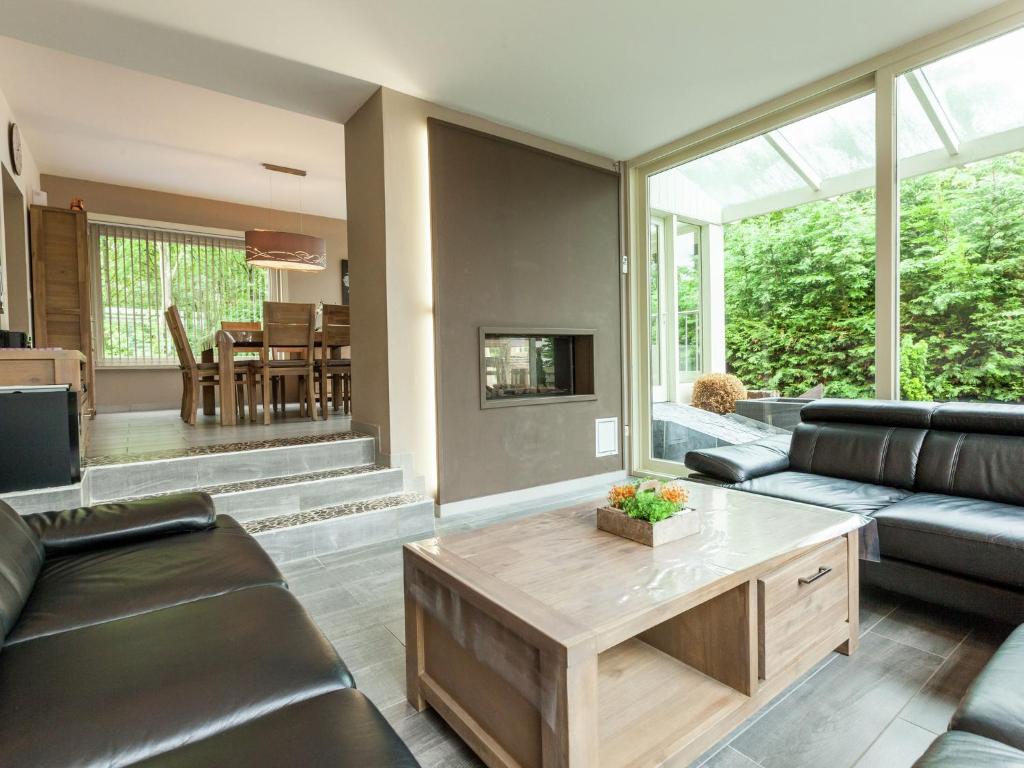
<point>545,642</point>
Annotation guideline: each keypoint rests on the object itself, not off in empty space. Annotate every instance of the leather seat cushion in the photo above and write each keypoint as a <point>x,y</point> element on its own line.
<point>956,749</point>
<point>93,587</point>
<point>21,557</point>
<point>983,539</point>
<point>835,492</point>
<point>337,730</point>
<point>994,704</point>
<point>119,692</point>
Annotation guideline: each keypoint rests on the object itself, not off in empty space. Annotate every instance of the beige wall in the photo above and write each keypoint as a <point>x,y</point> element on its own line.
<point>392,139</point>
<point>161,388</point>
<point>364,183</point>
<point>521,239</point>
<point>137,389</point>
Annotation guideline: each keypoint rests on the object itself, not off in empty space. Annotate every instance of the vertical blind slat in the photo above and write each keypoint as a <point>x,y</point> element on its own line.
<point>152,321</point>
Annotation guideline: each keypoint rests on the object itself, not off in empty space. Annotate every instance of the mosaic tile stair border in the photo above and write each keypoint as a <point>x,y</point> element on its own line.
<point>279,522</point>
<point>210,450</point>
<point>267,482</point>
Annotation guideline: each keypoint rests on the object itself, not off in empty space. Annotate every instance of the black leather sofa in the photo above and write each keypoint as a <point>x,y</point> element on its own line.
<point>158,634</point>
<point>988,727</point>
<point>945,483</point>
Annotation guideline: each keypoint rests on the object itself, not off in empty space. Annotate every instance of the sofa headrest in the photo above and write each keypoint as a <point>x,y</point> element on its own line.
<point>882,413</point>
<point>990,418</point>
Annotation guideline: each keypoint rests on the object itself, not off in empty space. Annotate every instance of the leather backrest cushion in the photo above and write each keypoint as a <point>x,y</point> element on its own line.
<point>982,466</point>
<point>21,557</point>
<point>990,418</point>
<point>865,453</point>
<point>881,413</point>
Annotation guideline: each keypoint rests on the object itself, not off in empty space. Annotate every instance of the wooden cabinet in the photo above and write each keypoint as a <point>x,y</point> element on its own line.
<point>61,286</point>
<point>41,367</point>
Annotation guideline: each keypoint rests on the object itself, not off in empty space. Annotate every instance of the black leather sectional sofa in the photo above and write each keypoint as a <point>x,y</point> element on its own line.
<point>158,634</point>
<point>945,482</point>
<point>988,727</point>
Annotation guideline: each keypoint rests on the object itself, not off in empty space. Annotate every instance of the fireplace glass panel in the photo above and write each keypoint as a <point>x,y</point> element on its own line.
<point>528,366</point>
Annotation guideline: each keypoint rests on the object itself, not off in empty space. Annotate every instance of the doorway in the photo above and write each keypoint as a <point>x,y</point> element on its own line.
<point>675,285</point>
<point>17,298</point>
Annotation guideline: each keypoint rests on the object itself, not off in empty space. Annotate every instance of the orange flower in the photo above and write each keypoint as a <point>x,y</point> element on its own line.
<point>674,494</point>
<point>619,493</point>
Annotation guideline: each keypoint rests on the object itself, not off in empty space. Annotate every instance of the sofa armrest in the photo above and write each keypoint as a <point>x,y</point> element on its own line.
<point>117,524</point>
<point>737,463</point>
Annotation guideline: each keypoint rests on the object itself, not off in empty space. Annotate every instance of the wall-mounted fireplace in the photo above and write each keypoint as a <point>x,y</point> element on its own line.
<point>534,366</point>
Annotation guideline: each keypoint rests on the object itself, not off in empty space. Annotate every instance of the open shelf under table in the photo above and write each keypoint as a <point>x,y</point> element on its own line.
<point>650,704</point>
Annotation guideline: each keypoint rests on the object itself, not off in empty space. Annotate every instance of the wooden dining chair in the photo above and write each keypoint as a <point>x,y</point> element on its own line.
<point>289,325</point>
<point>238,325</point>
<point>336,328</point>
<point>195,376</point>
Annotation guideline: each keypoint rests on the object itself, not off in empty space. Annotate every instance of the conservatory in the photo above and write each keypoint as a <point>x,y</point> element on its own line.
<point>761,253</point>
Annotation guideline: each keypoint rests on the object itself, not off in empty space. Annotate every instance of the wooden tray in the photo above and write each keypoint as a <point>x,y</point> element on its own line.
<point>685,522</point>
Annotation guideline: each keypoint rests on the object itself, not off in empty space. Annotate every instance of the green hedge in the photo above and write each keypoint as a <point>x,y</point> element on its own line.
<point>799,285</point>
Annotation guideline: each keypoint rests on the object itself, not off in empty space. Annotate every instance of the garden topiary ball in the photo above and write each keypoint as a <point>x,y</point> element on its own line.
<point>718,392</point>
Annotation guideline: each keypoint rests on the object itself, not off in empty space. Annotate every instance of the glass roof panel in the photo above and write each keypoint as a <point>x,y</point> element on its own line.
<point>838,141</point>
<point>914,132</point>
<point>741,173</point>
<point>982,88</point>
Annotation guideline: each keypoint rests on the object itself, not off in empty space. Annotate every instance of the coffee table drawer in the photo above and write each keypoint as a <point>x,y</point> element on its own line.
<point>801,603</point>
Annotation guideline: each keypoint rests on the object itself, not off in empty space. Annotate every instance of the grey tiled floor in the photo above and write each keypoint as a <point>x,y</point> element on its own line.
<point>880,707</point>
<point>144,432</point>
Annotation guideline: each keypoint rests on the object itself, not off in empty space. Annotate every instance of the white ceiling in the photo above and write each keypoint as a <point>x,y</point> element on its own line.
<point>614,77</point>
<point>86,119</point>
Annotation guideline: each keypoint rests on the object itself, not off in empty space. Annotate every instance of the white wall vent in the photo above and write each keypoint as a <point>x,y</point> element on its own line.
<point>607,436</point>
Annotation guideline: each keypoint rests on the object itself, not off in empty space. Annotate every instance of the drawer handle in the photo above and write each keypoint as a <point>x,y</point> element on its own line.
<point>823,571</point>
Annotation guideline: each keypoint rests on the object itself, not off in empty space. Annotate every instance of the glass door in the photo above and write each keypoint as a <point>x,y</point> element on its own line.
<point>687,321</point>
<point>675,325</point>
<point>657,272</point>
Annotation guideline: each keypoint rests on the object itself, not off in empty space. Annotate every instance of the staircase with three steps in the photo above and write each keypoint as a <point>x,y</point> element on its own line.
<point>300,497</point>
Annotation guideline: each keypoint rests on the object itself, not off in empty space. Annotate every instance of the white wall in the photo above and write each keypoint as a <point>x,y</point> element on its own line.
<point>27,182</point>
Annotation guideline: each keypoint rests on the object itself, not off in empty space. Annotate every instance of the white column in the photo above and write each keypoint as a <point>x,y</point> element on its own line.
<point>713,299</point>
<point>887,257</point>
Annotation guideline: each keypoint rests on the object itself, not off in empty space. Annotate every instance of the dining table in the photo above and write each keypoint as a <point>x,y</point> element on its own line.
<point>222,346</point>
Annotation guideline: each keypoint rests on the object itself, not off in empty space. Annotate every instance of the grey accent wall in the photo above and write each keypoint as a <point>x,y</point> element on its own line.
<point>521,238</point>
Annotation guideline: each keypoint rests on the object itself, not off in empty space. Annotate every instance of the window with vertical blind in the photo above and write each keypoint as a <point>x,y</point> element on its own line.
<point>140,271</point>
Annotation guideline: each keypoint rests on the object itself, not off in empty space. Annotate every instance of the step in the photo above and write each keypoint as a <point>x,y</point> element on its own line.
<point>275,496</point>
<point>344,526</point>
<point>107,479</point>
<point>44,499</point>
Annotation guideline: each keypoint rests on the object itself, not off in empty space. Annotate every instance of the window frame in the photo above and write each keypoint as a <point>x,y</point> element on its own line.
<point>878,75</point>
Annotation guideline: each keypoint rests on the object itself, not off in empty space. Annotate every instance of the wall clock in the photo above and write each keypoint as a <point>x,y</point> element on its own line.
<point>14,141</point>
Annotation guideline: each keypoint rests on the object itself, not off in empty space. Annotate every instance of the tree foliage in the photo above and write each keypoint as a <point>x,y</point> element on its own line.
<point>800,293</point>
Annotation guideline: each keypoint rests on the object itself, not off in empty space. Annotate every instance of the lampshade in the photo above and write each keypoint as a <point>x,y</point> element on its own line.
<point>285,250</point>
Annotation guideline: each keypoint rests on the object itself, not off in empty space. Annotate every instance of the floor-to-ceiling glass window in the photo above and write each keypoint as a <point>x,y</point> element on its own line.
<point>961,162</point>
<point>761,265</point>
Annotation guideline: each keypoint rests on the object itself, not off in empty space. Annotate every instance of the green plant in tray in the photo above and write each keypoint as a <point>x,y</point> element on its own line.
<point>650,500</point>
